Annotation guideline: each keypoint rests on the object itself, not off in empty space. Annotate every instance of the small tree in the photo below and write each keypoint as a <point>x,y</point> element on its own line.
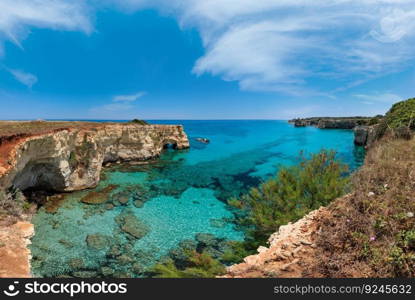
<point>294,192</point>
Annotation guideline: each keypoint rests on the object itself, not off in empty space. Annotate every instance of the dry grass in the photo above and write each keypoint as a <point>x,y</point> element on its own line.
<point>371,233</point>
<point>11,129</point>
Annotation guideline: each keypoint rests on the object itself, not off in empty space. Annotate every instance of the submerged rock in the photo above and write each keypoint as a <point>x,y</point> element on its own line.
<point>98,197</point>
<point>206,239</point>
<point>85,274</point>
<point>124,259</point>
<point>66,243</point>
<point>138,203</point>
<point>109,206</point>
<point>131,225</point>
<point>121,198</point>
<point>76,263</point>
<point>114,251</point>
<point>217,223</point>
<point>137,268</point>
<point>107,271</point>
<point>97,241</point>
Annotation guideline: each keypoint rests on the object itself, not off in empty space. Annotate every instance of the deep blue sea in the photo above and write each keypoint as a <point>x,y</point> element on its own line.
<point>184,194</point>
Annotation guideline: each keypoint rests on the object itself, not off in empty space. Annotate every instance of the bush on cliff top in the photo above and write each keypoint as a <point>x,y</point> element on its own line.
<point>402,114</point>
<point>294,192</point>
<point>139,122</point>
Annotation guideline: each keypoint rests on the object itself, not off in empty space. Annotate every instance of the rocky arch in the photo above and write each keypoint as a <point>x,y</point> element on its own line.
<point>170,144</point>
<point>44,175</point>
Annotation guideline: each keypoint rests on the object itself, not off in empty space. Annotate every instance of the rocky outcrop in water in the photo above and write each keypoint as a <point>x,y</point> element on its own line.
<point>72,159</point>
<point>364,133</point>
<point>331,123</point>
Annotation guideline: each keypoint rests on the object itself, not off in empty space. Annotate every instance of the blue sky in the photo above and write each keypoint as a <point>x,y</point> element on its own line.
<point>211,59</point>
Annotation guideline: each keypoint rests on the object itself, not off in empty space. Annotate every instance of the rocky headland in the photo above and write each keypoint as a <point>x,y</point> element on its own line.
<point>364,127</point>
<point>64,157</point>
<point>367,233</point>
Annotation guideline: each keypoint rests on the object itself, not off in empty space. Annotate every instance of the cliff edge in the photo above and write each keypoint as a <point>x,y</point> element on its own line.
<point>71,158</point>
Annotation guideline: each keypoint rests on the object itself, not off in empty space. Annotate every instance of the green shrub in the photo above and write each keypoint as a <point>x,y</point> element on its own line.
<point>200,265</point>
<point>402,114</point>
<point>294,192</point>
<point>139,122</point>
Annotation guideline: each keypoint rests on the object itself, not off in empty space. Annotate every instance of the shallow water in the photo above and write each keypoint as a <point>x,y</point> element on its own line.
<point>180,195</point>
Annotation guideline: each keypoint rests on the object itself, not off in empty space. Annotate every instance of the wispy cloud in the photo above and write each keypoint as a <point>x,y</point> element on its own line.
<point>25,78</point>
<point>17,16</point>
<point>376,98</point>
<point>268,45</point>
<point>129,98</point>
<point>286,45</point>
<point>119,104</point>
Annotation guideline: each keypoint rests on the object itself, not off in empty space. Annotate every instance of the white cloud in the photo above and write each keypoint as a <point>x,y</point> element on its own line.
<point>129,98</point>
<point>18,16</point>
<point>25,78</point>
<point>120,103</point>
<point>267,45</point>
<point>375,98</point>
<point>286,45</point>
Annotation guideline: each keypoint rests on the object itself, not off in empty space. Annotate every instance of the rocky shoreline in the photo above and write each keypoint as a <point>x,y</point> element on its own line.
<point>66,160</point>
<point>364,127</point>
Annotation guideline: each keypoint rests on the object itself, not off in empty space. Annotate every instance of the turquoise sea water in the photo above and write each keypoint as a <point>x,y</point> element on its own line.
<point>180,195</point>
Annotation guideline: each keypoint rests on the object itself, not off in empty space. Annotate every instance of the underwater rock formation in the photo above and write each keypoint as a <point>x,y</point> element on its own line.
<point>72,159</point>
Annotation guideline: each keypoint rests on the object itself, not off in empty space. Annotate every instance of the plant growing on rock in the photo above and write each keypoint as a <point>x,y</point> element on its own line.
<point>294,192</point>
<point>201,265</point>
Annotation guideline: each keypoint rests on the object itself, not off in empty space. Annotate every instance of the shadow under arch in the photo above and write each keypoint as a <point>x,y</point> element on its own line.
<point>169,144</point>
<point>42,175</point>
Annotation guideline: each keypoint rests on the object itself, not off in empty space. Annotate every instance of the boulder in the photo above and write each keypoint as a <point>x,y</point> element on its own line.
<point>360,135</point>
<point>131,225</point>
<point>97,241</point>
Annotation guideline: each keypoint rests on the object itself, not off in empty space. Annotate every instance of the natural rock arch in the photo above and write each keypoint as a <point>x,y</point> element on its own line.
<point>45,175</point>
<point>169,143</point>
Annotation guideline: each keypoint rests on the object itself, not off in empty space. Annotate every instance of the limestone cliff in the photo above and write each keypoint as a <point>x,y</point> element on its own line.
<point>364,133</point>
<point>331,122</point>
<point>71,159</point>
<point>290,252</point>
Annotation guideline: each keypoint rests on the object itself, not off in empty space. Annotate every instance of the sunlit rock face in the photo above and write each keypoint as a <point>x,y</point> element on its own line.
<point>70,160</point>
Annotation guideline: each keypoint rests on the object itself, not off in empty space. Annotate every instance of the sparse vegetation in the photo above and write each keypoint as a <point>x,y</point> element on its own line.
<point>402,114</point>
<point>372,232</point>
<point>294,192</point>
<point>139,122</point>
<point>12,203</point>
<point>200,265</point>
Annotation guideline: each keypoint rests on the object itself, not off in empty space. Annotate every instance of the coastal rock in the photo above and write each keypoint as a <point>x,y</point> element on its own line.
<point>14,253</point>
<point>360,135</point>
<point>107,271</point>
<point>131,225</point>
<point>138,203</point>
<point>331,122</point>
<point>290,249</point>
<point>72,159</point>
<point>97,241</point>
<point>76,263</point>
<point>85,274</point>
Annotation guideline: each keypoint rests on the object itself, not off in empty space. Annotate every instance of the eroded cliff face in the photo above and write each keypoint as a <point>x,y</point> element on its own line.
<point>72,159</point>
